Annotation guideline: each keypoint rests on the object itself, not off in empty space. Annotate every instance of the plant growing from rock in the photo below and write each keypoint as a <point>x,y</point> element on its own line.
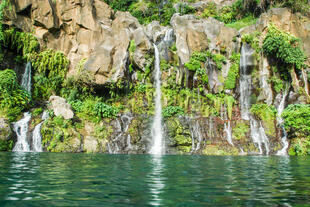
<point>13,99</point>
<point>297,120</point>
<point>284,46</point>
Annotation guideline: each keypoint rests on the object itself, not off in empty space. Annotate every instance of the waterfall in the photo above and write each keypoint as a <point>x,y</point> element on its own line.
<point>281,121</point>
<point>228,131</point>
<point>21,130</point>
<point>196,135</point>
<point>36,135</point>
<point>245,80</point>
<point>26,80</point>
<point>168,36</point>
<point>164,45</point>
<point>258,134</point>
<point>227,125</point>
<point>157,134</point>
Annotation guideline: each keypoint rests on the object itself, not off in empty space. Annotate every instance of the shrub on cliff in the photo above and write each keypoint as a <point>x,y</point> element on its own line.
<point>13,99</point>
<point>50,68</point>
<point>172,111</point>
<point>284,47</point>
<point>297,120</point>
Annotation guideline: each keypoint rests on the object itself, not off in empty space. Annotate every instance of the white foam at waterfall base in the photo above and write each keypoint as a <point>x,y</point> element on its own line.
<point>36,135</point>
<point>258,135</point>
<point>21,130</point>
<point>280,121</point>
<point>157,134</point>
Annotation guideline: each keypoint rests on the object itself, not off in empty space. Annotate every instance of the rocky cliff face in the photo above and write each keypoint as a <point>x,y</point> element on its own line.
<point>91,30</point>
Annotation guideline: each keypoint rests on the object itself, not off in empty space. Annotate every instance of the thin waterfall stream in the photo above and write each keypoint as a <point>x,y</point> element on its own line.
<point>21,127</point>
<point>280,121</point>
<point>258,134</point>
<point>157,133</point>
<point>36,135</point>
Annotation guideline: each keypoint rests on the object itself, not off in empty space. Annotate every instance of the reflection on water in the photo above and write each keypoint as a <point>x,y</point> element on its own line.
<point>51,179</point>
<point>156,180</point>
<point>19,184</point>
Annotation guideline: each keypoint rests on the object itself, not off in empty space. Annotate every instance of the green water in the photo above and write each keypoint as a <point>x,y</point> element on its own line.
<point>50,179</point>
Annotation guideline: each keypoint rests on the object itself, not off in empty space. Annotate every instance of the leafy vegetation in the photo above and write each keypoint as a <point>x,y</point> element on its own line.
<point>233,73</point>
<point>13,99</point>
<point>50,69</point>
<point>3,5</point>
<point>6,145</point>
<point>277,83</point>
<point>284,47</point>
<point>172,111</point>
<point>297,120</point>
<point>267,114</point>
<point>241,23</point>
<point>263,111</point>
<point>103,110</point>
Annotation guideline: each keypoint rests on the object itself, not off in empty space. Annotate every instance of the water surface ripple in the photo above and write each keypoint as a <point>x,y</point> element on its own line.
<point>52,179</point>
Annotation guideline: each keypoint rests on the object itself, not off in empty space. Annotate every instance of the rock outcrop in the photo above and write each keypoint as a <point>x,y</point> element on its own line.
<point>5,130</point>
<point>61,107</point>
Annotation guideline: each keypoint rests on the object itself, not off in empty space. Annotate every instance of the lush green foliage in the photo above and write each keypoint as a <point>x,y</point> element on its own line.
<point>21,42</point>
<point>297,120</point>
<point>13,99</point>
<point>6,145</point>
<point>233,73</point>
<point>172,111</point>
<point>3,5</point>
<point>196,63</point>
<point>297,5</point>
<point>263,111</point>
<point>241,23</point>
<point>300,147</point>
<point>104,110</point>
<point>50,69</point>
<point>121,5</point>
<point>198,59</point>
<point>284,47</point>
<point>253,40</point>
<point>277,83</point>
<point>240,131</point>
<point>147,11</point>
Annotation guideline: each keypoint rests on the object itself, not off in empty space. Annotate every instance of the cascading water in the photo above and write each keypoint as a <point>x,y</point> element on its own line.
<point>227,126</point>
<point>196,135</point>
<point>21,127</point>
<point>21,130</point>
<point>228,131</point>
<point>281,121</point>
<point>168,36</point>
<point>245,80</point>
<point>36,135</point>
<point>26,80</point>
<point>258,134</point>
<point>157,133</point>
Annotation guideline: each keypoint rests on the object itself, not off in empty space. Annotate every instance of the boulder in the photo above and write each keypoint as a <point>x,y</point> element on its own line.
<point>61,107</point>
<point>5,130</point>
